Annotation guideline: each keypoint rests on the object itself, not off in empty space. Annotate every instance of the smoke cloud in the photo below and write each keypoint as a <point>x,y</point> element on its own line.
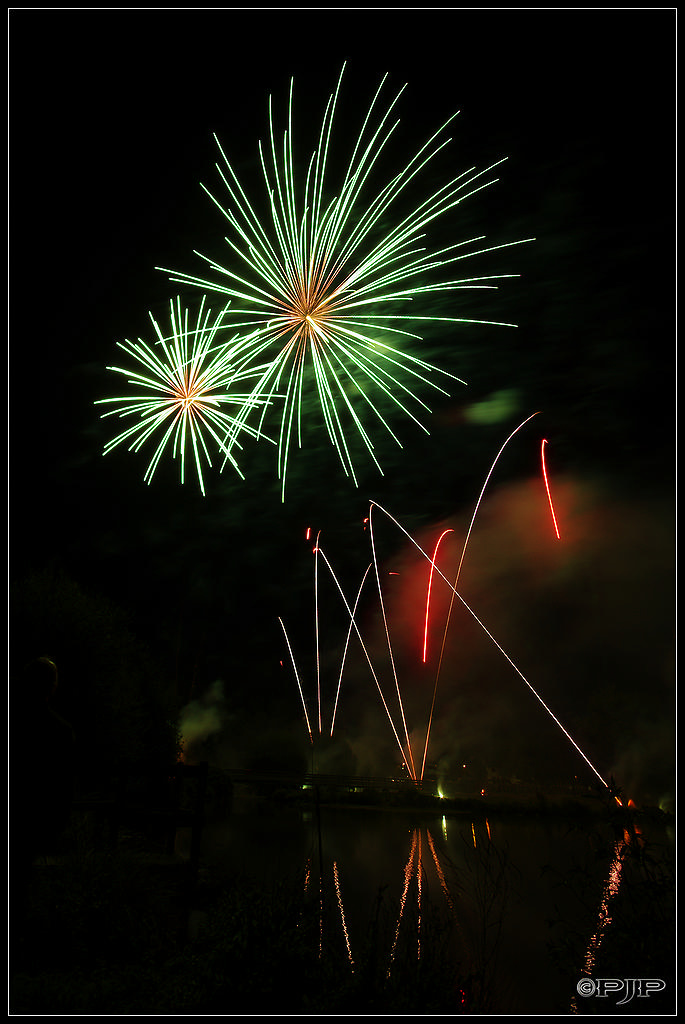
<point>203,718</point>
<point>587,619</point>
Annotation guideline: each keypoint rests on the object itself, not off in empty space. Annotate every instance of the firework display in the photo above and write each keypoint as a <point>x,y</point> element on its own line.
<point>318,298</point>
<point>180,390</point>
<point>405,747</point>
<point>345,514</point>
<point>324,284</point>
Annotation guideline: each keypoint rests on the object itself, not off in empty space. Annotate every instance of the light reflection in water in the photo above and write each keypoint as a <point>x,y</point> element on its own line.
<point>423,854</point>
<point>440,872</point>
<point>408,875</point>
<point>342,913</point>
<point>483,908</point>
<point>611,889</point>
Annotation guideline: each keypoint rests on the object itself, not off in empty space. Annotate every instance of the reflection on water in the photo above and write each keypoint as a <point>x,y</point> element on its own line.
<point>491,897</point>
<point>622,848</point>
<point>610,891</point>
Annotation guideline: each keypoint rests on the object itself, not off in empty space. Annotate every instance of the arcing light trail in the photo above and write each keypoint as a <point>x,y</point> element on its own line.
<point>347,642</point>
<point>316,552</point>
<point>549,495</point>
<point>353,625</point>
<point>428,595</point>
<point>456,579</point>
<point>297,677</point>
<point>497,645</point>
<point>407,753</point>
<point>410,766</point>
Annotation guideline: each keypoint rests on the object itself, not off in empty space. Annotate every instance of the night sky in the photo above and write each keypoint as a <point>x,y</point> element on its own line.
<point>112,115</point>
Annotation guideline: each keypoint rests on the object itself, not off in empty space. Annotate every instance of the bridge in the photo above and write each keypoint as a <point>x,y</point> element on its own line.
<point>314,780</point>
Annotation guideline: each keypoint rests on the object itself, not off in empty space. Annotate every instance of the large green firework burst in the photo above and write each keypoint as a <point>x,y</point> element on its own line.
<point>321,286</point>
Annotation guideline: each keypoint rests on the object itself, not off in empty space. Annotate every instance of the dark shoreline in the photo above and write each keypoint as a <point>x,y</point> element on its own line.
<point>480,807</point>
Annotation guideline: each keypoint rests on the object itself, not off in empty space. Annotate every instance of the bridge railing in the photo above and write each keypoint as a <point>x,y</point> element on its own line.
<point>313,779</point>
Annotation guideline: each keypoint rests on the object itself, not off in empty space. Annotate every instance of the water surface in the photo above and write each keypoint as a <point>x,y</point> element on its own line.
<point>523,904</point>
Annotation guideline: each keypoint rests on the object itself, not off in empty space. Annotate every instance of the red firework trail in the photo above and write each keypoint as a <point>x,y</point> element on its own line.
<point>549,496</point>
<point>497,645</point>
<point>428,595</point>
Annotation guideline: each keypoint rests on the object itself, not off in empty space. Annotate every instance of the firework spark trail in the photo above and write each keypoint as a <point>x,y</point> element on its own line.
<point>549,495</point>
<point>368,658</point>
<point>311,281</point>
<point>297,677</point>
<point>347,642</point>
<point>181,391</point>
<point>428,595</point>
<point>412,769</point>
<point>497,645</point>
<point>344,656</point>
<point>456,580</point>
